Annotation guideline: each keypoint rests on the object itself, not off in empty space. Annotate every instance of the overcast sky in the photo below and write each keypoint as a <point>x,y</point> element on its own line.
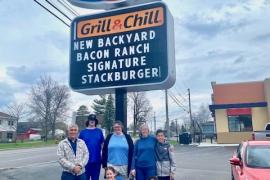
<point>222,41</point>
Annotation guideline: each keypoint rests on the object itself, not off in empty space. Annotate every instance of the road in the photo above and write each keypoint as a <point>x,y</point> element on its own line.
<point>24,157</point>
<point>193,163</point>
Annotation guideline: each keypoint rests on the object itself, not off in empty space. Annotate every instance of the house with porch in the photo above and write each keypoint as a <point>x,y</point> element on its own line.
<point>8,127</point>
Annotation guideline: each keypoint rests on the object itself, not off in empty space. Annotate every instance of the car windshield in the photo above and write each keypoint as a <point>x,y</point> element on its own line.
<point>258,156</point>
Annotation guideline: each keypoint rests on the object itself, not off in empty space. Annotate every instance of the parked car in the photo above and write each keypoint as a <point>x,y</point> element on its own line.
<point>262,135</point>
<point>251,161</point>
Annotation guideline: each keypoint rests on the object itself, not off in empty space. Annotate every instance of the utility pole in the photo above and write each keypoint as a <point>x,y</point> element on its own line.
<point>167,115</point>
<point>190,115</point>
<point>176,129</point>
<point>151,125</point>
<point>155,122</point>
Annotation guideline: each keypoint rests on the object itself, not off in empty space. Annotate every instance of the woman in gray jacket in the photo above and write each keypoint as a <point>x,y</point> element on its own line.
<point>164,157</point>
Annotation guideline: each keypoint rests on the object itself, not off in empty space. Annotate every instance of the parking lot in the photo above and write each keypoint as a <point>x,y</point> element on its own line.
<point>197,163</point>
<point>193,163</point>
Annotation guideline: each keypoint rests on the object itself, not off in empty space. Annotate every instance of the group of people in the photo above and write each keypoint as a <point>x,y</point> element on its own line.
<point>81,157</point>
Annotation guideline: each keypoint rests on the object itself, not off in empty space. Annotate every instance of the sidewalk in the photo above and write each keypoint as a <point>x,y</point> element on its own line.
<point>207,144</point>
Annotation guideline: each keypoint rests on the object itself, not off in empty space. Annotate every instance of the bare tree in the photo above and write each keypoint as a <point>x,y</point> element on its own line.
<point>202,115</point>
<point>16,110</point>
<point>49,102</point>
<point>141,108</point>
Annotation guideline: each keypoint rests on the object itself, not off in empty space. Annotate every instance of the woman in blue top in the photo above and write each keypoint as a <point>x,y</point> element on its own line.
<point>93,138</point>
<point>144,162</point>
<point>117,151</point>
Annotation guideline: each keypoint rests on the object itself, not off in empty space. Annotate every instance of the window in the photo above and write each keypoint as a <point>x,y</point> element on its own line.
<point>240,123</point>
<point>258,156</point>
<point>10,123</point>
<point>239,151</point>
<point>0,121</point>
<point>9,135</point>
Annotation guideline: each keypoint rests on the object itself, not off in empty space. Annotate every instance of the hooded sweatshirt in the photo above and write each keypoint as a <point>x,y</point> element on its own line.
<point>165,159</point>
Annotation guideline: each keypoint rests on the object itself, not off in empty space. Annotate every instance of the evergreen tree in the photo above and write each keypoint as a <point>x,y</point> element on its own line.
<point>82,110</point>
<point>99,105</point>
<point>173,127</point>
<point>183,129</point>
<point>109,114</point>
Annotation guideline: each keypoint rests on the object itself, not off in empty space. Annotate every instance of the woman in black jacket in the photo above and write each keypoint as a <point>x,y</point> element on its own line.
<point>118,150</point>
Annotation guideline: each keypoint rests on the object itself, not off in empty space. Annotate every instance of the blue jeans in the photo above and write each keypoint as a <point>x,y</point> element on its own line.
<point>69,176</point>
<point>119,178</point>
<point>144,173</point>
<point>92,171</point>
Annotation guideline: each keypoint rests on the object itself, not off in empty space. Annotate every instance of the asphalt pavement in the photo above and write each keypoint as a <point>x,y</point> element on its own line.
<point>27,157</point>
<point>193,163</point>
<point>203,163</point>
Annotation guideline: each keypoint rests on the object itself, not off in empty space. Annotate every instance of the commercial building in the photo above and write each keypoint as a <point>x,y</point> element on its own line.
<point>239,109</point>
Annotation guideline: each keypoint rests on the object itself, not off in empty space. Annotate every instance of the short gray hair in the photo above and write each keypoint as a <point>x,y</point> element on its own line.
<point>144,125</point>
<point>73,125</point>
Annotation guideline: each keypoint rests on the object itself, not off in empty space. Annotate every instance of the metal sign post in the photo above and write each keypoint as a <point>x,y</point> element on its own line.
<point>121,107</point>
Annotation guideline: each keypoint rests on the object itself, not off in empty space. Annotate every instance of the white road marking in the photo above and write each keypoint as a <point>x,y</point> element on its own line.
<point>29,157</point>
<point>198,150</point>
<point>20,151</point>
<point>29,165</point>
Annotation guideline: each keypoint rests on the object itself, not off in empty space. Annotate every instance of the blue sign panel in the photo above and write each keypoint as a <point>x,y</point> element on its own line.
<point>131,48</point>
<point>107,4</point>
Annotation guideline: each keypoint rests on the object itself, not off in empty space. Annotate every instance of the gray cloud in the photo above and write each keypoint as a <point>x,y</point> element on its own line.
<point>29,75</point>
<point>239,60</point>
<point>262,38</point>
<point>6,93</point>
<point>221,41</point>
<point>53,38</point>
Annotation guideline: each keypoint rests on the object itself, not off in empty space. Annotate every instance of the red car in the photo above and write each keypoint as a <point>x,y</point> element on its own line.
<point>251,161</point>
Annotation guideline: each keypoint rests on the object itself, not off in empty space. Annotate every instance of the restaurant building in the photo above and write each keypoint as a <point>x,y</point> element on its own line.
<point>239,109</point>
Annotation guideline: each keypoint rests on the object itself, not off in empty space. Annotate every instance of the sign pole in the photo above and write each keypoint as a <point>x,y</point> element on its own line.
<point>121,107</point>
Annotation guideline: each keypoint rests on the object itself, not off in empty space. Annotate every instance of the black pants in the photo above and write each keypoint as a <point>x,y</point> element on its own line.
<point>163,177</point>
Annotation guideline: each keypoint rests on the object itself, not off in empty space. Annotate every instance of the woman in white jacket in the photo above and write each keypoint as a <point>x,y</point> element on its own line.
<point>166,166</point>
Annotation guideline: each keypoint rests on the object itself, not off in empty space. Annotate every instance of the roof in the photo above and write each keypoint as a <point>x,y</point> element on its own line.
<point>25,126</point>
<point>7,129</point>
<point>5,115</point>
<point>36,129</point>
<point>244,92</point>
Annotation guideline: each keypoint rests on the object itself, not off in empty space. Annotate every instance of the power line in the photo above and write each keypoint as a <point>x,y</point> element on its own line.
<point>50,3</point>
<point>51,12</point>
<point>177,101</point>
<point>68,7</point>
<point>173,113</point>
<point>178,92</point>
<point>181,101</point>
